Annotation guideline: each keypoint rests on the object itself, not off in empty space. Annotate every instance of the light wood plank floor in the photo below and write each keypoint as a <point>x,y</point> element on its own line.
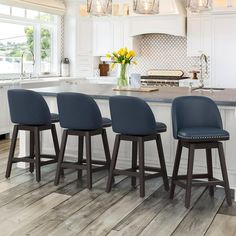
<point>31,208</point>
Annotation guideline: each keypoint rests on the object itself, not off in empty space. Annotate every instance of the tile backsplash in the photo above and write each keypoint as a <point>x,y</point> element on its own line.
<point>160,51</point>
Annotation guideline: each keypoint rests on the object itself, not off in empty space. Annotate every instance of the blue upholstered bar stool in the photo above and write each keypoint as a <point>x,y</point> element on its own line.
<point>29,112</point>
<point>197,124</point>
<point>133,120</point>
<point>80,116</point>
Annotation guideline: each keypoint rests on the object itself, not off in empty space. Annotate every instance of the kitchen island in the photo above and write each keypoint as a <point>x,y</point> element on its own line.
<point>160,102</point>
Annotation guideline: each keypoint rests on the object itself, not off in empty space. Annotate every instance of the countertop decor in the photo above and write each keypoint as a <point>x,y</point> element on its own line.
<point>124,58</point>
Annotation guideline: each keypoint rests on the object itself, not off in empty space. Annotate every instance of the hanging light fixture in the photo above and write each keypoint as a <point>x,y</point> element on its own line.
<point>146,6</point>
<point>99,7</point>
<point>199,5</point>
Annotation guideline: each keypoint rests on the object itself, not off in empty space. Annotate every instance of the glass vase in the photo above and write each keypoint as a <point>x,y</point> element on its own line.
<point>122,81</point>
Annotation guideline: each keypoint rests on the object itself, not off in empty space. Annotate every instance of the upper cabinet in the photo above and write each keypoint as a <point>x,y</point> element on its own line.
<point>110,34</point>
<point>102,36</point>
<point>224,51</point>
<point>199,33</point>
<point>85,36</point>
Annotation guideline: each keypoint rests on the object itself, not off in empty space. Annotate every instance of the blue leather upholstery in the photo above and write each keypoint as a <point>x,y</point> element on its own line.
<point>197,118</point>
<point>160,127</point>
<point>203,133</point>
<point>29,108</point>
<point>133,116</point>
<point>80,112</point>
<point>54,117</point>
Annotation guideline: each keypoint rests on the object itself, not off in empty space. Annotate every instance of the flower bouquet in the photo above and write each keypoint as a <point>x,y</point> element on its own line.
<point>123,57</point>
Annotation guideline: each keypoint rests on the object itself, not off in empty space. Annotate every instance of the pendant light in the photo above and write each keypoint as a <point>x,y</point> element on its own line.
<point>199,5</point>
<point>99,7</point>
<point>146,6</point>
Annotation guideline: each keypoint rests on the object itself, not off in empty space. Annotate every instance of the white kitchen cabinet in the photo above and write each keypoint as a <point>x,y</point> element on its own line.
<point>118,35</point>
<point>110,35</point>
<point>84,36</point>
<point>4,111</point>
<point>199,34</point>
<point>102,36</point>
<point>84,42</point>
<point>224,51</point>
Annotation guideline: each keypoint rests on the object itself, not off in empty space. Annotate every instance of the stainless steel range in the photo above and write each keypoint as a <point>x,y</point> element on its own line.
<point>170,78</point>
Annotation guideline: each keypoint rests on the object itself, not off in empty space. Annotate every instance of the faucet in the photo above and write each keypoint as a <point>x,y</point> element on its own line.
<point>203,60</point>
<point>22,72</point>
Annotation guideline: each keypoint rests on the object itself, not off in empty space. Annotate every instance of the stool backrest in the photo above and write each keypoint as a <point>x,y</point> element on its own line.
<point>131,115</point>
<point>28,107</point>
<point>193,112</point>
<point>78,111</point>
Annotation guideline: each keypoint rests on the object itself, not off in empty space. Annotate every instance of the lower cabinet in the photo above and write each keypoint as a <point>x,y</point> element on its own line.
<point>5,124</point>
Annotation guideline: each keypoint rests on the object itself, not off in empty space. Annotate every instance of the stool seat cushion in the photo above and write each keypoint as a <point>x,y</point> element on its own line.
<point>161,127</point>
<point>203,134</point>
<point>54,118</point>
<point>106,122</point>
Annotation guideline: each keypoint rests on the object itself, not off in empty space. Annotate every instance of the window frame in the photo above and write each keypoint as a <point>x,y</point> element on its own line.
<point>56,42</point>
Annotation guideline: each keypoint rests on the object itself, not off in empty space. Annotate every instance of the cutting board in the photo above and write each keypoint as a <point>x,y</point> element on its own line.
<point>142,89</point>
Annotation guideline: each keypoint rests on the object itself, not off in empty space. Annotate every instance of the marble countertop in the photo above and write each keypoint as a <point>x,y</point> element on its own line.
<point>225,97</point>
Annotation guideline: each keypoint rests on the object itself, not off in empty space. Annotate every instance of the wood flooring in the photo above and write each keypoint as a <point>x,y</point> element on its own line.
<point>31,208</point>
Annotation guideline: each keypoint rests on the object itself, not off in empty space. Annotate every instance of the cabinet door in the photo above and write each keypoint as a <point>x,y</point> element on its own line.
<point>193,36</point>
<point>199,36</point>
<point>4,111</point>
<point>118,35</point>
<point>224,51</point>
<point>84,36</point>
<point>102,37</point>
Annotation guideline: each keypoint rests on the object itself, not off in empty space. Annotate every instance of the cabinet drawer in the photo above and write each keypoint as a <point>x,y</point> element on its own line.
<point>84,60</point>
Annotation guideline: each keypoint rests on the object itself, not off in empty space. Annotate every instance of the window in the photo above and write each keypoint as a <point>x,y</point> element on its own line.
<point>30,37</point>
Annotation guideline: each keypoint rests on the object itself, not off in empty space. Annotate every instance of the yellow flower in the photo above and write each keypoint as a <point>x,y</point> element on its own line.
<point>134,62</point>
<point>132,53</point>
<point>108,55</point>
<point>122,52</point>
<point>123,62</point>
<point>128,56</point>
<point>116,59</point>
<point>113,65</point>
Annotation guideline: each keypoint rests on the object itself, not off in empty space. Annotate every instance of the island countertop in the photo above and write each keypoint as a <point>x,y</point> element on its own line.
<point>226,97</point>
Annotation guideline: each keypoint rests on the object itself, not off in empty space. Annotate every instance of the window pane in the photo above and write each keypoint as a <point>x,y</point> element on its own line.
<point>32,14</point>
<point>4,9</point>
<point>16,11</point>
<point>46,51</point>
<point>14,40</point>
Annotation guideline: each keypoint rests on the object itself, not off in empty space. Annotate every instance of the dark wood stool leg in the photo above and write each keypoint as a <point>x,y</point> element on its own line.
<point>12,151</point>
<point>88,160</point>
<point>31,168</point>
<point>61,156</point>
<point>80,155</point>
<point>134,161</point>
<point>106,148</point>
<point>189,176</point>
<point>175,169</point>
<point>162,162</point>
<point>209,169</point>
<point>113,163</point>
<point>224,174</point>
<point>55,141</point>
<point>37,153</point>
<point>141,167</point>
<point>56,144</point>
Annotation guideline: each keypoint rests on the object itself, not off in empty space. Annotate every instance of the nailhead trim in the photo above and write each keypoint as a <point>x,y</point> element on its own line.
<point>203,137</point>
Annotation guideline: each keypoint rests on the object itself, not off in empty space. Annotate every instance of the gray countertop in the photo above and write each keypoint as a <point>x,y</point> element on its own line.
<point>225,97</point>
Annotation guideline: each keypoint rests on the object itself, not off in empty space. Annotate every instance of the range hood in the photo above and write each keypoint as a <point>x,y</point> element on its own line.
<point>171,20</point>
